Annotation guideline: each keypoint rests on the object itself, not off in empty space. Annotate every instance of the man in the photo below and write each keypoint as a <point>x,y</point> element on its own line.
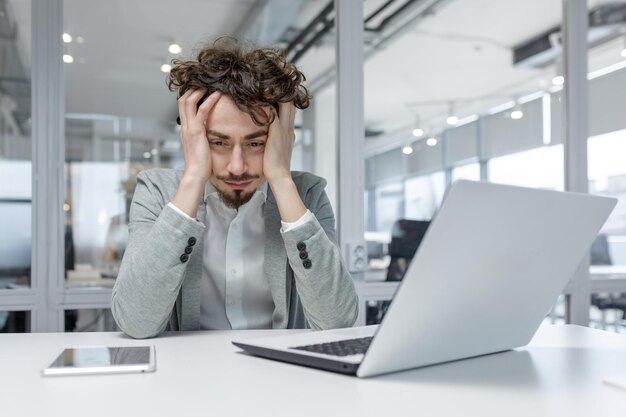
<point>235,240</point>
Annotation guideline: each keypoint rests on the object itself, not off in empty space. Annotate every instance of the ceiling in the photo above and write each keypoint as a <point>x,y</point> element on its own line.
<point>459,52</point>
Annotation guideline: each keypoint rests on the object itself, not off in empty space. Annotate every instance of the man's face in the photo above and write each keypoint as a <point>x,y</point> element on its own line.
<point>237,147</point>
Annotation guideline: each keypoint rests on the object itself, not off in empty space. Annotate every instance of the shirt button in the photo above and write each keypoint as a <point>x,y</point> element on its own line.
<point>234,226</point>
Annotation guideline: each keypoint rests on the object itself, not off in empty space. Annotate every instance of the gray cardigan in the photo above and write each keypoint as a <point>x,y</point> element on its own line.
<point>156,290</point>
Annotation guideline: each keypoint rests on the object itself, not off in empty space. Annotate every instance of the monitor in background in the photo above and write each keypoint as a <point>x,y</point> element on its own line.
<point>406,236</point>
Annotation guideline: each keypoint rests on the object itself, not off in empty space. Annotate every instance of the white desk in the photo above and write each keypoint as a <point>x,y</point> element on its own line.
<point>200,374</point>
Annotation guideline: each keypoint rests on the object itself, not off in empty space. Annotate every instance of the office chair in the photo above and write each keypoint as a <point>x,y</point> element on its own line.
<point>406,236</point>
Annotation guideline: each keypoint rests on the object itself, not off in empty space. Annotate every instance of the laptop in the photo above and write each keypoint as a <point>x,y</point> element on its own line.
<point>490,267</point>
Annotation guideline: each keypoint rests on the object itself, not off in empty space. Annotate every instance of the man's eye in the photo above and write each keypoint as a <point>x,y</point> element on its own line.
<point>256,144</point>
<point>217,142</point>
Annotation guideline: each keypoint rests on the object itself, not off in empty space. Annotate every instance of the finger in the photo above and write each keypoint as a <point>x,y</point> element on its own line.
<point>289,116</point>
<point>275,126</point>
<point>284,115</point>
<point>191,103</point>
<point>208,104</point>
<point>181,106</point>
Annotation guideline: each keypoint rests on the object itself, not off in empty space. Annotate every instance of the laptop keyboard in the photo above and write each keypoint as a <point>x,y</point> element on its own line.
<point>339,348</point>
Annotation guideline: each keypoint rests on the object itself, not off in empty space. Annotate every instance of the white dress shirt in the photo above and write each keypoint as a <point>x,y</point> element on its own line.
<point>234,292</point>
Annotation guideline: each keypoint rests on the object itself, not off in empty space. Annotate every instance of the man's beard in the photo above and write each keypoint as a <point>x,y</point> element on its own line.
<point>236,198</point>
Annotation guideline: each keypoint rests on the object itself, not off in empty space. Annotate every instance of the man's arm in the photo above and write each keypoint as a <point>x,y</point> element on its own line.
<point>161,238</point>
<point>323,283</point>
<point>152,270</point>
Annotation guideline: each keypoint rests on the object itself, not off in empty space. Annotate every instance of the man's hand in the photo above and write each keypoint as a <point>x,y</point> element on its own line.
<point>279,145</point>
<point>277,162</point>
<point>193,121</point>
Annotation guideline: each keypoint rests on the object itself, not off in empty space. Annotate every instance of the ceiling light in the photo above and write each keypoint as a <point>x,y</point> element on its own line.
<point>154,151</point>
<point>408,149</point>
<point>166,68</point>
<point>417,132</point>
<point>80,39</point>
<point>67,38</point>
<point>623,53</point>
<point>452,119</point>
<point>432,141</point>
<point>147,154</point>
<point>175,49</point>
<point>517,112</point>
<point>68,59</point>
<point>558,80</point>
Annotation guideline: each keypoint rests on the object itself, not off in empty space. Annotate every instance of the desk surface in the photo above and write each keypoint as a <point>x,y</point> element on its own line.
<point>201,373</point>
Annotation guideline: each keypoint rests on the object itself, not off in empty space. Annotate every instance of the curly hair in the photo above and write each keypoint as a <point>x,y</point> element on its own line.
<point>252,77</point>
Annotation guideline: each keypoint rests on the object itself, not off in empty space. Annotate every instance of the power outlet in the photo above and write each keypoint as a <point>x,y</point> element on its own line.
<point>356,256</point>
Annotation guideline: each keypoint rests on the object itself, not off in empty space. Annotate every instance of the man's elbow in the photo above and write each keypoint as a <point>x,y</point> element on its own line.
<point>339,321</point>
<point>131,327</point>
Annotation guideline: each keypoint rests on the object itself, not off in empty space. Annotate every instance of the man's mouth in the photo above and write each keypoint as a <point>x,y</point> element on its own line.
<point>238,182</point>
<point>238,185</point>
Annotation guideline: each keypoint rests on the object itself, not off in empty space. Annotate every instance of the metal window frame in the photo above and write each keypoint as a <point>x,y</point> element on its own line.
<point>350,126</point>
<point>48,92</point>
<point>575,128</point>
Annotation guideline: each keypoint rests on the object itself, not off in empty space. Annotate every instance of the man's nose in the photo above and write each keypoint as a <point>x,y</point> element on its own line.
<point>237,164</point>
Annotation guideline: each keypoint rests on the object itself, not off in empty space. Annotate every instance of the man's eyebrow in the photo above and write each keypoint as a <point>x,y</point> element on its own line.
<point>256,134</point>
<point>218,134</point>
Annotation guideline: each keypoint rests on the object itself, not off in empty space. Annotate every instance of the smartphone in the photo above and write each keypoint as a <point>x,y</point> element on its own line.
<point>87,360</point>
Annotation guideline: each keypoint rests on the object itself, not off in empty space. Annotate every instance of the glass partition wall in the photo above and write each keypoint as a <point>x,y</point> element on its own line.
<point>444,98</point>
<point>16,156</point>
<point>606,147</point>
<point>450,98</point>
<point>482,99</point>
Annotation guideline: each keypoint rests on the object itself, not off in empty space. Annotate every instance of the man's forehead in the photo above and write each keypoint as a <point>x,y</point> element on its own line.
<point>227,102</point>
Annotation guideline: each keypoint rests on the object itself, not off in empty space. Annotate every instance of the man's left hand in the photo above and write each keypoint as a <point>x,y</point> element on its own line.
<point>279,145</point>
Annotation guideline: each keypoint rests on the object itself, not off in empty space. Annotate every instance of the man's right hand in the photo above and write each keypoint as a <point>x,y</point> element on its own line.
<point>196,151</point>
<point>193,120</point>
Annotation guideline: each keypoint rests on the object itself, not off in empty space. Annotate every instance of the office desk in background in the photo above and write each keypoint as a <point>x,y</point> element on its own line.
<point>201,373</point>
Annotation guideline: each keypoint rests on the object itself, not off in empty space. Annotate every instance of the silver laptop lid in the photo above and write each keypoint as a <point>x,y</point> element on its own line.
<point>492,264</point>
